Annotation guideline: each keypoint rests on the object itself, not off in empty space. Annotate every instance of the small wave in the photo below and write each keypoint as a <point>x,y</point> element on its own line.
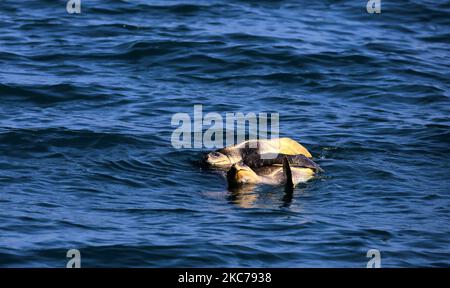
<point>32,139</point>
<point>176,9</point>
<point>50,94</point>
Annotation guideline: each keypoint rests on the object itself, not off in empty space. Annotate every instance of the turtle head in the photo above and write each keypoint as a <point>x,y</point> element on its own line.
<point>217,159</point>
<point>240,174</point>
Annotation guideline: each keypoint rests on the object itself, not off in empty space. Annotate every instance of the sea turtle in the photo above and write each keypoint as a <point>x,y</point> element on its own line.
<point>241,174</point>
<point>257,153</point>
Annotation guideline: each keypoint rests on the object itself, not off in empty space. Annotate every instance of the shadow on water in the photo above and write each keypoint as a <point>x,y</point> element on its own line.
<point>250,196</point>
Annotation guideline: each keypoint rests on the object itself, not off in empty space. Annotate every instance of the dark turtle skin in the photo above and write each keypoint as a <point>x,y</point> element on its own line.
<point>255,161</point>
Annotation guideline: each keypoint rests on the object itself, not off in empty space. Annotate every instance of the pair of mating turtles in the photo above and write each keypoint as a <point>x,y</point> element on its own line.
<point>274,161</point>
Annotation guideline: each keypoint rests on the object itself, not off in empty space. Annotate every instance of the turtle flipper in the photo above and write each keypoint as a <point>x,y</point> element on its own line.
<point>289,185</point>
<point>305,162</point>
<point>260,160</point>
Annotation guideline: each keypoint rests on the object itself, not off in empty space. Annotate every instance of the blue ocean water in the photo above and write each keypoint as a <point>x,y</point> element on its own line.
<point>86,162</point>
